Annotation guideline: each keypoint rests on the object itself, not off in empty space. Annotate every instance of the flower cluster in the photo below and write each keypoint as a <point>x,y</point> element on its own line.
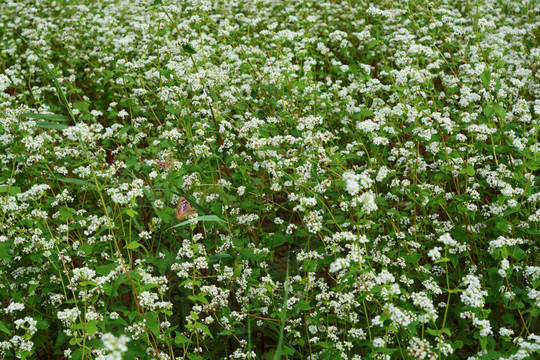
<point>361,179</point>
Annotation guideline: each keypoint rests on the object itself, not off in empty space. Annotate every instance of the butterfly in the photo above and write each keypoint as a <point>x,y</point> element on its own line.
<point>184,209</point>
<point>165,165</point>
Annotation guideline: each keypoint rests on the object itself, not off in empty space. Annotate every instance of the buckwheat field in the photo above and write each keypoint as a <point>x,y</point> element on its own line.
<point>269,179</point>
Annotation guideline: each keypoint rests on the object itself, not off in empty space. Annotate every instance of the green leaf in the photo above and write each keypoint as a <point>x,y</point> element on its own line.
<point>512,211</point>
<point>503,226</point>
<point>198,298</point>
<point>499,110</point>
<point>165,214</point>
<point>14,190</point>
<point>204,328</point>
<point>43,324</point>
<point>53,117</point>
<point>133,245</point>
<point>213,95</point>
<point>211,218</point>
<point>49,125</point>
<point>133,162</point>
<point>491,355</point>
<point>328,354</point>
<point>486,78</point>
<point>181,339</point>
<point>303,306</point>
<point>488,110</point>
<point>219,257</point>
<point>81,106</point>
<point>66,213</point>
<point>89,283</point>
<point>4,328</point>
<point>53,78</point>
<point>5,251</point>
<point>204,218</point>
<point>249,254</point>
<point>374,43</point>
<point>131,213</point>
<point>468,170</point>
<point>533,165</point>
<point>77,182</point>
<point>367,112</point>
<point>518,253</point>
<point>438,332</point>
<point>387,351</point>
<point>91,327</point>
<point>77,354</point>
<point>412,258</point>
<point>61,339</point>
<point>165,263</point>
<point>152,322</point>
<point>532,231</point>
<point>288,351</point>
<point>189,49</point>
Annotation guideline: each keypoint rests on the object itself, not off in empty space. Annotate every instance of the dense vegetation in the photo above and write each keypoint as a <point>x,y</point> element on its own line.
<point>269,179</point>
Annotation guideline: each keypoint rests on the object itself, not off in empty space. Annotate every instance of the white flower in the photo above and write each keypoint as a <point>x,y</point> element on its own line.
<point>14,306</point>
<point>473,294</point>
<point>435,253</point>
<point>338,265</point>
<point>351,182</point>
<point>368,202</point>
<point>122,114</point>
<point>117,345</point>
<point>383,172</point>
<point>446,239</point>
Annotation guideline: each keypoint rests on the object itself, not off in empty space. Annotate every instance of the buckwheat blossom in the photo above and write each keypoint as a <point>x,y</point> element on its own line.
<point>338,264</point>
<point>83,274</point>
<point>21,344</point>
<point>502,241</point>
<point>506,332</point>
<point>420,349</point>
<point>358,142</point>
<point>484,325</point>
<point>447,240</point>
<point>116,345</point>
<point>435,253</point>
<point>28,324</point>
<point>313,221</point>
<point>399,316</point>
<point>505,265</point>
<point>69,316</point>
<point>473,295</point>
<point>14,306</point>
<point>352,185</point>
<point>123,113</point>
<point>378,342</point>
<point>368,202</point>
<point>422,301</point>
<point>382,173</point>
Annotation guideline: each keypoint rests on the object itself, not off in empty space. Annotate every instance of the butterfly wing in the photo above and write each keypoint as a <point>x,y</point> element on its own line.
<point>184,209</point>
<point>165,165</point>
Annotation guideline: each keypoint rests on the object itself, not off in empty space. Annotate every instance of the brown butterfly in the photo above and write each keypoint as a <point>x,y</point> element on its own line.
<point>165,165</point>
<point>184,209</point>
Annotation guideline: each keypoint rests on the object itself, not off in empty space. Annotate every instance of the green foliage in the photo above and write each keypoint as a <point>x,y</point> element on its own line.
<point>269,180</point>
